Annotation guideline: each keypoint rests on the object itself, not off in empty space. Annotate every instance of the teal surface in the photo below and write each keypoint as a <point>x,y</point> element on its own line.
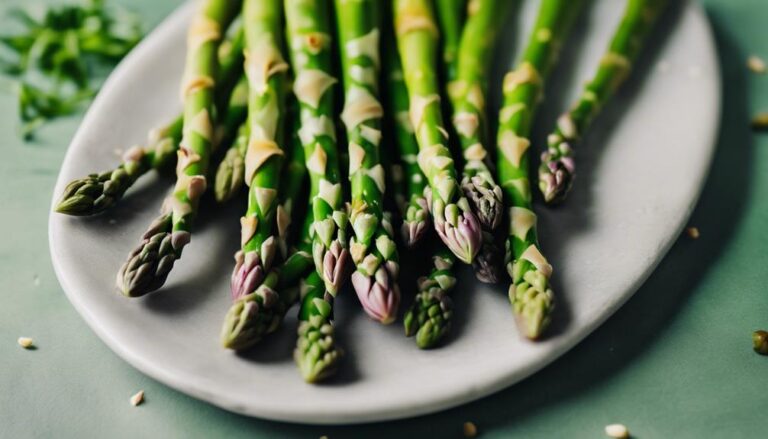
<point>675,361</point>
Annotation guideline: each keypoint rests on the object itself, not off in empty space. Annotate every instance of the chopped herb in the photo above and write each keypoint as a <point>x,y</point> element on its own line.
<point>59,58</point>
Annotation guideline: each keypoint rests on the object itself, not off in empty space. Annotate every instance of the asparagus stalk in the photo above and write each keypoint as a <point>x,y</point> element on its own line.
<point>260,312</point>
<point>430,315</point>
<point>412,204</point>
<point>98,192</point>
<point>316,354</point>
<point>309,29</point>
<point>530,293</point>
<point>417,35</point>
<point>267,83</point>
<point>372,247</point>
<point>148,265</point>
<point>557,169</point>
<point>467,95</point>
<point>451,15</point>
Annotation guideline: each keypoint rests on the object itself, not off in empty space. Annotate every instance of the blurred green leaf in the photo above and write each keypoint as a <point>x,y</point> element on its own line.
<point>66,47</point>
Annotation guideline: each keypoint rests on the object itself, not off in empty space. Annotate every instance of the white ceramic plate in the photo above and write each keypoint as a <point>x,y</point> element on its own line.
<point>638,182</point>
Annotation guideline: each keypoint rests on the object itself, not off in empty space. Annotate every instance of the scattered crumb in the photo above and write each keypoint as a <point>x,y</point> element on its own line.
<point>470,429</point>
<point>112,221</point>
<point>663,66</point>
<point>757,65</point>
<point>618,431</point>
<point>760,122</point>
<point>323,437</point>
<point>36,280</point>
<point>693,232</point>
<point>118,152</point>
<point>694,71</point>
<point>138,398</point>
<point>26,342</point>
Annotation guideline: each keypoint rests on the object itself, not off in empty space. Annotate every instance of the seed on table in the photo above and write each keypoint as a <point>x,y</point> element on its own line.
<point>138,398</point>
<point>757,65</point>
<point>618,431</point>
<point>693,232</point>
<point>760,122</point>
<point>760,342</point>
<point>26,342</point>
<point>470,429</point>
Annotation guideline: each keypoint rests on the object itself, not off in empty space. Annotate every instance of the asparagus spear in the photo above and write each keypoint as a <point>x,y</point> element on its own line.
<point>372,247</point>
<point>451,15</point>
<point>98,192</point>
<point>530,293</point>
<point>148,265</point>
<point>467,95</point>
<point>260,312</point>
<point>309,30</point>
<point>412,204</point>
<point>429,318</point>
<point>417,33</point>
<point>267,83</point>
<point>316,353</point>
<point>557,168</point>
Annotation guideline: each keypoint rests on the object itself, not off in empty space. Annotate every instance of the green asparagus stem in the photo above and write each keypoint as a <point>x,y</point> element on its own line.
<point>417,36</point>
<point>98,192</point>
<point>372,247</point>
<point>412,203</point>
<point>451,15</point>
<point>260,312</point>
<point>316,353</point>
<point>148,265</point>
<point>429,318</point>
<point>267,82</point>
<point>467,95</point>
<point>557,169</point>
<point>309,28</point>
<point>530,293</point>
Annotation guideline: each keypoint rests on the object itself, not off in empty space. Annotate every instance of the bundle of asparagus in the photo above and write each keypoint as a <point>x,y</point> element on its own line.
<point>264,98</point>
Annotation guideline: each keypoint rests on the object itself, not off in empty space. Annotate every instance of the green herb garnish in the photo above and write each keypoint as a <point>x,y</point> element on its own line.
<point>60,58</point>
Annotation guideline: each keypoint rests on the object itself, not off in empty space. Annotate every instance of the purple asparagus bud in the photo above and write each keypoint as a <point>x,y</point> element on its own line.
<point>379,296</point>
<point>336,265</point>
<point>556,175</point>
<point>247,275</point>
<point>458,228</point>
<point>416,220</point>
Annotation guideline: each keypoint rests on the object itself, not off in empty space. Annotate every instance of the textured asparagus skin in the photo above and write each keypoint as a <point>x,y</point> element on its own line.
<point>96,193</point>
<point>267,84</point>
<point>416,34</point>
<point>530,293</point>
<point>309,28</point>
<point>557,169</point>
<point>409,186</point>
<point>148,266</point>
<point>430,315</point>
<point>372,247</point>
<point>467,94</point>
<point>261,311</point>
<point>451,16</point>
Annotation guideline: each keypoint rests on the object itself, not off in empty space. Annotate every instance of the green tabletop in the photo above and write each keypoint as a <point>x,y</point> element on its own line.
<point>675,361</point>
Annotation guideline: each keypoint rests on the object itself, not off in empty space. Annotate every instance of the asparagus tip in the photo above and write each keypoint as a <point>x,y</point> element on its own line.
<point>556,178</point>
<point>485,197</point>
